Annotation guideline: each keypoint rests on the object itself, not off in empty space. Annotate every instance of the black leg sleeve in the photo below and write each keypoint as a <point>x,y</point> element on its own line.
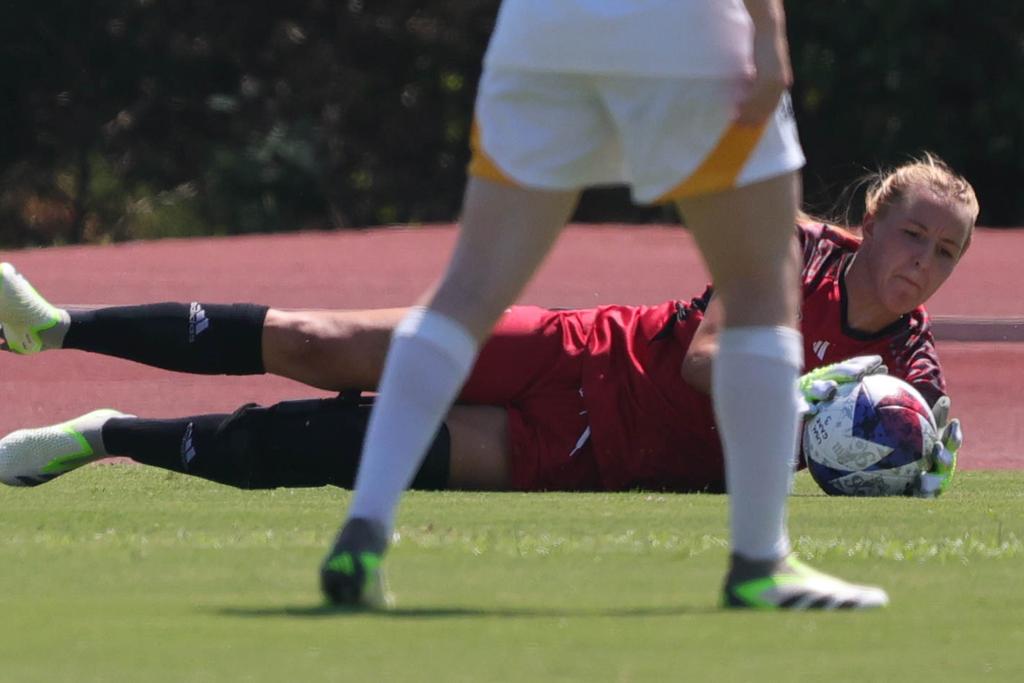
<point>168,444</point>
<point>209,339</point>
<point>292,444</point>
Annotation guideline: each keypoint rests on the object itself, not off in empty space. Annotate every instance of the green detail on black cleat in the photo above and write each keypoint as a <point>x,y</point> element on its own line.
<point>351,574</point>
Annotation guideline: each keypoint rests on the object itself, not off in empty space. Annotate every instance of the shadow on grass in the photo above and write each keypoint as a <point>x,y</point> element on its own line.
<point>327,611</point>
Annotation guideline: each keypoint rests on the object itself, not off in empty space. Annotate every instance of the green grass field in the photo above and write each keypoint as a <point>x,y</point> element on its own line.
<point>122,573</point>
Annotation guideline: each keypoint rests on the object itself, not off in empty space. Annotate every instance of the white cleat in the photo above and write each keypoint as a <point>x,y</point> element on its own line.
<point>29,457</point>
<point>792,585</point>
<point>26,316</point>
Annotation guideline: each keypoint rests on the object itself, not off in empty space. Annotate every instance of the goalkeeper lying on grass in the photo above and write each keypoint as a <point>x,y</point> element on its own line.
<point>610,398</point>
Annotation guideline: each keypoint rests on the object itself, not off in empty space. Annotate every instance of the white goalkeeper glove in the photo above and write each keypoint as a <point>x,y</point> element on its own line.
<point>942,467</point>
<point>822,384</point>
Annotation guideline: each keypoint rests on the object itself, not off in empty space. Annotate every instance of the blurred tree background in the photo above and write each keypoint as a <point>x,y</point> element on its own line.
<point>127,119</point>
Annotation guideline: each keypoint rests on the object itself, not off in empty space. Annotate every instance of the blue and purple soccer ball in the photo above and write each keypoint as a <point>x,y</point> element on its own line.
<point>874,439</point>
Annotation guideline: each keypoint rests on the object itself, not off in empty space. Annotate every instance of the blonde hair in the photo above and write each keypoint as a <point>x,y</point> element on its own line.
<point>888,187</point>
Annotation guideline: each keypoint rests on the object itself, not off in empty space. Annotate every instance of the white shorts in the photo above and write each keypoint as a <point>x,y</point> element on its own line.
<point>667,138</point>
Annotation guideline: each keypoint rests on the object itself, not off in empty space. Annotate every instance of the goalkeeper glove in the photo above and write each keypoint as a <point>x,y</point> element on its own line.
<point>822,384</point>
<point>943,461</point>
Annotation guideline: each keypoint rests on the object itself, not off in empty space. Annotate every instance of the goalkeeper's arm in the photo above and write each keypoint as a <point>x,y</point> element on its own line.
<point>703,347</point>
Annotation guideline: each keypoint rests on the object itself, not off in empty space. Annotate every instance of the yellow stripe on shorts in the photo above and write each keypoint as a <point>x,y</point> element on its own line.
<point>721,166</point>
<point>481,165</point>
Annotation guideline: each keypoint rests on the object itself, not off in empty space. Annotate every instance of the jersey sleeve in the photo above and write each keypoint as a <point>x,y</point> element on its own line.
<point>822,248</point>
<point>808,237</point>
<point>914,359</point>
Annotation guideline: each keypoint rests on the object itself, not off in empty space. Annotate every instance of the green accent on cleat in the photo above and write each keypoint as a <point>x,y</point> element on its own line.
<point>345,563</point>
<point>751,592</point>
<point>66,463</point>
<point>29,457</point>
<point>342,563</point>
<point>351,576</point>
<point>371,561</point>
<point>26,314</point>
<point>792,585</point>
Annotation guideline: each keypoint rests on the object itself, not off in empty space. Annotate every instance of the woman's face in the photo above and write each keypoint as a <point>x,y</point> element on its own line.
<point>913,247</point>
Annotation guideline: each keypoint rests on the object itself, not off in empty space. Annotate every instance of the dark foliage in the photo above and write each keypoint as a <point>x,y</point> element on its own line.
<point>141,118</point>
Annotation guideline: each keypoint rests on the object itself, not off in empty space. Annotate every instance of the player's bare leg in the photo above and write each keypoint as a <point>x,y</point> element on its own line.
<point>480,453</point>
<point>333,350</point>
<point>746,237</point>
<point>506,232</point>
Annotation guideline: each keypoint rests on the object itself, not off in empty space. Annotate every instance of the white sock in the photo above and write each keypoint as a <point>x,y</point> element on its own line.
<point>754,387</point>
<point>428,362</point>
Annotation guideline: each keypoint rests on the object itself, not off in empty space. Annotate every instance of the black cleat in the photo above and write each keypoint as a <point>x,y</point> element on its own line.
<point>350,575</point>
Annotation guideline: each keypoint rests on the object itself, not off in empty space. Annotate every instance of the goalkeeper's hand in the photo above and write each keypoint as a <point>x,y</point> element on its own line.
<point>822,384</point>
<point>943,461</point>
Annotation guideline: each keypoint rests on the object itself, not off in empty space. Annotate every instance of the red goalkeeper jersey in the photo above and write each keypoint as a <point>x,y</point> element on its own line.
<point>650,429</point>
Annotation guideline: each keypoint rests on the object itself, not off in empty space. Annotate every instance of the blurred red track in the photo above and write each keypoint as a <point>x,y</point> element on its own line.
<point>389,267</point>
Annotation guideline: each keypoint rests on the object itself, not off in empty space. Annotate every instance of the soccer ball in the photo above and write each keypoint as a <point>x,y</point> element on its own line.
<point>874,439</point>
